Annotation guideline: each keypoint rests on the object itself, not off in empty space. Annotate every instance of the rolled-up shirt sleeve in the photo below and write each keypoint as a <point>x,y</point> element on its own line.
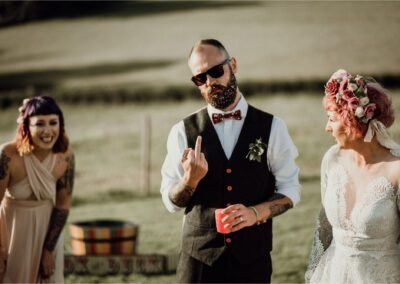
<point>171,170</point>
<point>281,160</point>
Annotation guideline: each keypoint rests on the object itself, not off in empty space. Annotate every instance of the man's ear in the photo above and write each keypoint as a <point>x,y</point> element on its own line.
<point>233,64</point>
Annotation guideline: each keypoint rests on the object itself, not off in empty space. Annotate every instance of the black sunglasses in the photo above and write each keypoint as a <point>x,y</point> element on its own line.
<point>215,72</point>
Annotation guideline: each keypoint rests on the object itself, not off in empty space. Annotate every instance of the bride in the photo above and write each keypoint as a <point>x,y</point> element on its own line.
<point>358,229</point>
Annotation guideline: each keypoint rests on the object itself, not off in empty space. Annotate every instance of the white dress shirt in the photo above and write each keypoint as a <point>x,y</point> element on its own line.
<point>281,154</point>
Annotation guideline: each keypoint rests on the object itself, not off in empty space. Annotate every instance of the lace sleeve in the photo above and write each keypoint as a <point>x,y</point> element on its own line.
<point>398,210</point>
<point>323,231</point>
<point>322,240</point>
<point>398,203</point>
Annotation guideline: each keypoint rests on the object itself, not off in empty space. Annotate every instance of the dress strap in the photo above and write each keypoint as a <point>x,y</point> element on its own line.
<point>40,176</point>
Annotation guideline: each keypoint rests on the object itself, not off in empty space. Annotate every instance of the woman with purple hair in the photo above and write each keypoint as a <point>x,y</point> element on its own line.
<point>36,181</point>
<point>358,229</point>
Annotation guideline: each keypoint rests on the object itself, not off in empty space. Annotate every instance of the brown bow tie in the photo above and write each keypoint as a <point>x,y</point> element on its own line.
<point>218,117</point>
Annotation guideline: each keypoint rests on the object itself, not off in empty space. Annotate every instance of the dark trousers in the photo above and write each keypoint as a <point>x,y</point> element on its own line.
<point>225,270</point>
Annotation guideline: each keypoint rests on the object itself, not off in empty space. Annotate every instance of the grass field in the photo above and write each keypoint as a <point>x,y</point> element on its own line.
<point>160,232</point>
<point>146,44</point>
<point>105,139</point>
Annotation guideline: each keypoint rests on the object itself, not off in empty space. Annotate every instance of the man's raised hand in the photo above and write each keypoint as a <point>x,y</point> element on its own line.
<point>194,164</point>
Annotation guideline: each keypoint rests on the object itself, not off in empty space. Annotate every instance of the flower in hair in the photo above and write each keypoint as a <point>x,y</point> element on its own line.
<point>353,92</point>
<point>359,112</point>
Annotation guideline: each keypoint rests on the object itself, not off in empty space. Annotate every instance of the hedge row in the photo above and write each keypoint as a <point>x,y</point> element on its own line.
<point>10,98</point>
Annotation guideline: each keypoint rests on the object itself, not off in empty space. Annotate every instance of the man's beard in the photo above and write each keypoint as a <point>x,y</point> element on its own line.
<point>220,96</point>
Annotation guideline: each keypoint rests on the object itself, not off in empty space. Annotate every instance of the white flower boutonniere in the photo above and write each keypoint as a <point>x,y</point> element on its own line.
<point>256,150</point>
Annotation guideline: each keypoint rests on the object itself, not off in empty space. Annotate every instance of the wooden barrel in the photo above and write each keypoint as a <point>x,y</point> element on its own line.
<point>103,237</point>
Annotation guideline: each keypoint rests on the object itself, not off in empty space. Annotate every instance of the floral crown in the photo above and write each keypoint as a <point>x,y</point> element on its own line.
<point>354,91</point>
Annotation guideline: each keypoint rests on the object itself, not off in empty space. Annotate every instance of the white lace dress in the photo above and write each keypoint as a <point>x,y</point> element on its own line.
<point>358,244</point>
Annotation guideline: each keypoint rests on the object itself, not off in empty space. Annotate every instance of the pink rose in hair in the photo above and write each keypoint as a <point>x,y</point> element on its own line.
<point>370,110</point>
<point>353,102</point>
<point>347,95</point>
<point>343,86</point>
<point>331,88</point>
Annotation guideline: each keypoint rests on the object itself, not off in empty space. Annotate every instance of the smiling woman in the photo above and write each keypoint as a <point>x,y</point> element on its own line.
<point>40,120</point>
<point>44,130</point>
<point>36,181</point>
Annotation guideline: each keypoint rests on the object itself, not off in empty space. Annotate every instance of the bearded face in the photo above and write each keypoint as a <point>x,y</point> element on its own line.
<point>220,96</point>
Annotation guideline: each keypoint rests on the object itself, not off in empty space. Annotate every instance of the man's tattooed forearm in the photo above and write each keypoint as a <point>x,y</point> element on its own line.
<point>67,180</point>
<point>276,196</point>
<point>57,222</point>
<point>181,195</point>
<point>4,160</point>
<point>278,208</point>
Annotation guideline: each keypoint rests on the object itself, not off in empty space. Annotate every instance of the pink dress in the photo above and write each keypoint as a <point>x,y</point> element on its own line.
<point>24,219</point>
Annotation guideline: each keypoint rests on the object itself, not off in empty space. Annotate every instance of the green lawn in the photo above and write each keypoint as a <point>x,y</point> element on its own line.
<point>160,232</point>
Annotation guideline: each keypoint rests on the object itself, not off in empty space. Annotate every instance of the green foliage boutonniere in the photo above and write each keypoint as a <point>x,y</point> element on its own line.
<point>256,150</point>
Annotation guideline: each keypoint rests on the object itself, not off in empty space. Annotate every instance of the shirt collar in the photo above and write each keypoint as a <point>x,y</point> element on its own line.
<point>242,105</point>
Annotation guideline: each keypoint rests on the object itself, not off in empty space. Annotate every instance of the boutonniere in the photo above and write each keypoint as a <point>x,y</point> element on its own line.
<point>256,150</point>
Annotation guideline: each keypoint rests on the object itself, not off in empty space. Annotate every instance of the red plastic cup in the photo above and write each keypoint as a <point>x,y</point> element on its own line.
<point>218,221</point>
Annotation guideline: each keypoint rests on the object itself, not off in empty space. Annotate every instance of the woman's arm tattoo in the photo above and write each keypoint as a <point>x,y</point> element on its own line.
<point>67,180</point>
<point>59,215</point>
<point>4,160</point>
<point>57,222</point>
<point>278,208</point>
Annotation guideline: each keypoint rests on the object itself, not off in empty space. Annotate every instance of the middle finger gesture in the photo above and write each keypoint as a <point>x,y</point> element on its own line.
<point>194,164</point>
